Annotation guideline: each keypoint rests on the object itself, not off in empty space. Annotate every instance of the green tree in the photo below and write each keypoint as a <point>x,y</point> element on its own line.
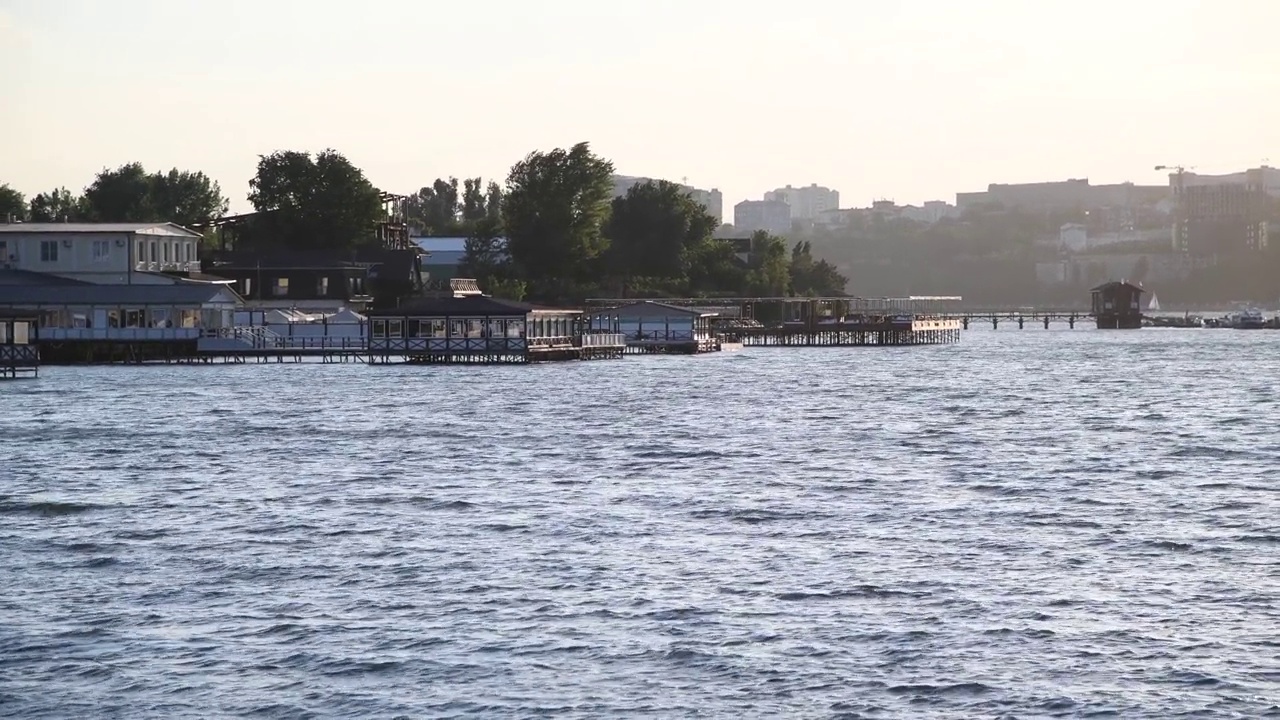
<point>554,211</point>
<point>121,195</point>
<point>714,268</point>
<point>58,206</point>
<point>323,202</point>
<point>769,272</point>
<point>12,203</point>
<point>493,202</point>
<point>814,279</point>
<point>653,231</point>
<point>473,200</point>
<point>186,198</point>
<point>434,209</point>
<point>485,253</point>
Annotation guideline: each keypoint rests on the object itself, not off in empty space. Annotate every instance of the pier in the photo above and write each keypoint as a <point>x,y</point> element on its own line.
<point>822,321</point>
<point>19,353</point>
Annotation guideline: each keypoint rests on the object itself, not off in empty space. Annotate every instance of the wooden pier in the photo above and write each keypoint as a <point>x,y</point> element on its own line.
<point>19,354</point>
<point>824,321</point>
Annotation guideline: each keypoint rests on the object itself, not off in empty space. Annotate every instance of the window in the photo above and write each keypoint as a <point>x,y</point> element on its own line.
<point>4,250</point>
<point>142,252</point>
<point>4,333</point>
<point>166,251</point>
<point>282,287</point>
<point>101,250</point>
<point>379,328</point>
<point>457,328</point>
<point>48,251</point>
<point>322,286</point>
<point>155,252</point>
<point>395,329</point>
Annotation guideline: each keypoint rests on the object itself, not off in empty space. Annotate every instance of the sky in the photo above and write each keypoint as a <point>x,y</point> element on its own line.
<point>907,100</point>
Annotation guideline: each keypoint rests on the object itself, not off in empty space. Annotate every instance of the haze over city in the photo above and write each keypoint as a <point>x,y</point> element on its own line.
<point>910,101</point>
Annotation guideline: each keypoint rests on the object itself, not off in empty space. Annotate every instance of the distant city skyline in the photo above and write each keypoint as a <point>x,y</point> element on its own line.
<point>949,97</point>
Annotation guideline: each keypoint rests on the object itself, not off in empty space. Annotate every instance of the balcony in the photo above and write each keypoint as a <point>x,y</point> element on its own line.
<point>144,266</point>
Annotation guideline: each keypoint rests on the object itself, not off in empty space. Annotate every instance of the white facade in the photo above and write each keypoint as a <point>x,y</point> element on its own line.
<point>806,202</point>
<point>1263,178</point>
<point>100,253</point>
<point>711,199</point>
<point>772,216</point>
<point>1073,237</point>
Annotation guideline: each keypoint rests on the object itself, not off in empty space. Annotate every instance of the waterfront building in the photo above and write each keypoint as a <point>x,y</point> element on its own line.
<point>466,326</point>
<point>307,281</point>
<point>19,354</point>
<point>1117,305</point>
<point>650,326</point>
<point>81,321</point>
<point>101,253</point>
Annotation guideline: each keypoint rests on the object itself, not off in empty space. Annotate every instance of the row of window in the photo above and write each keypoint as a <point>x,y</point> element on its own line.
<point>471,329</point>
<point>162,251</point>
<point>280,286</point>
<point>159,317</point>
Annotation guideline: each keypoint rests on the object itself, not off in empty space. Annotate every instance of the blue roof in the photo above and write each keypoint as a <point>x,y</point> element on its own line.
<point>441,244</point>
<point>444,257</point>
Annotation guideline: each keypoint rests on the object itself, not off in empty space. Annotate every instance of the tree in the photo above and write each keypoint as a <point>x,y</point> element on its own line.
<point>814,279</point>
<point>653,230</point>
<point>714,267</point>
<point>58,206</point>
<point>769,272</point>
<point>473,200</point>
<point>186,198</point>
<point>321,203</point>
<point>12,203</point>
<point>554,211</point>
<point>121,195</point>
<point>434,209</point>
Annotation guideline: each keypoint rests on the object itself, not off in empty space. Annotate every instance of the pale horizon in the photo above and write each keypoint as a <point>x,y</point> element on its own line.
<point>911,103</point>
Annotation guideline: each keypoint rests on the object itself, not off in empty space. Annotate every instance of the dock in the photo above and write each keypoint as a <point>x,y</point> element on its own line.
<point>820,321</point>
<point>19,352</point>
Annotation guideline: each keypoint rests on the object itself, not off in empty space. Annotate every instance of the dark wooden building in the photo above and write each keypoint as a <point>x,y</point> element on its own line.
<point>319,279</point>
<point>19,353</point>
<point>1117,305</point>
<point>465,326</point>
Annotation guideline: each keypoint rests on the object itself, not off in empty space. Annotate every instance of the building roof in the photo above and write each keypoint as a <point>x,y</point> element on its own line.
<point>1116,284</point>
<point>652,308</point>
<point>118,295</point>
<point>172,229</point>
<point>29,278</point>
<point>444,257</point>
<point>470,306</point>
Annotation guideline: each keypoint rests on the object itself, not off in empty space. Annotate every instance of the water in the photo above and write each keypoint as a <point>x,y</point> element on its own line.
<point>1029,524</point>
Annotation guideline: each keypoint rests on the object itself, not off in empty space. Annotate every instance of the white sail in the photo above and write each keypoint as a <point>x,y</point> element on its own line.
<point>1155,303</point>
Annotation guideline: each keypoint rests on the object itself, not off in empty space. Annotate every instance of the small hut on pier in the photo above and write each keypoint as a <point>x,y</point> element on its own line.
<point>656,327</point>
<point>465,326</point>
<point>19,355</point>
<point>1117,305</point>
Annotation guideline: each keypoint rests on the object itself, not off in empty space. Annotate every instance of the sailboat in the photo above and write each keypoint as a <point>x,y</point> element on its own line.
<point>1154,305</point>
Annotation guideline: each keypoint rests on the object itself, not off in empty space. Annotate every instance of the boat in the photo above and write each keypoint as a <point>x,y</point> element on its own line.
<point>1247,319</point>
<point>1154,306</point>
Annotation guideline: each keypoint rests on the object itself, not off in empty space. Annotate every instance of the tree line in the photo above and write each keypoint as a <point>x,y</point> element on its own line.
<point>552,232</point>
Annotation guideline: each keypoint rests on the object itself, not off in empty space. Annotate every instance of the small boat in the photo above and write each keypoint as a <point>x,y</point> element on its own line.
<point>1247,319</point>
<point>1154,305</point>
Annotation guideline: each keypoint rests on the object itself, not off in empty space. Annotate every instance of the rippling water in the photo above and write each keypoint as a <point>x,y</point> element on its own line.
<point>1029,524</point>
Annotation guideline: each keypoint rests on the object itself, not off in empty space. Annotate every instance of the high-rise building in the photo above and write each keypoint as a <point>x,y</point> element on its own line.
<point>711,199</point>
<point>772,216</point>
<point>1223,213</point>
<point>806,202</point>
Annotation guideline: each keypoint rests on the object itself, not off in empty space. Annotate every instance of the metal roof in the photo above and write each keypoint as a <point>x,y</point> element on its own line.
<point>171,229</point>
<point>468,306</point>
<point>651,308</point>
<point>115,295</point>
<point>10,276</point>
<point>445,257</point>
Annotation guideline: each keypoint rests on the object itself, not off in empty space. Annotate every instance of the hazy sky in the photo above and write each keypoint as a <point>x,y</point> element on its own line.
<point>902,100</point>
